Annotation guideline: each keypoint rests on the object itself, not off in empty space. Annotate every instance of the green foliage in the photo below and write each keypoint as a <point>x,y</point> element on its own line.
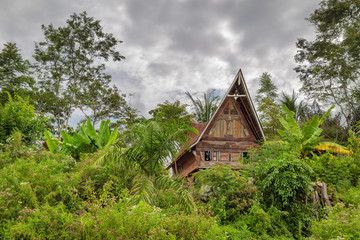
<point>18,115</point>
<point>342,223</point>
<point>203,110</point>
<point>300,109</point>
<point>86,140</point>
<point>301,140</point>
<point>267,89</point>
<point>14,74</point>
<point>329,66</point>
<point>341,172</point>
<point>50,196</point>
<point>268,109</point>
<point>113,222</point>
<point>152,143</point>
<point>226,191</point>
<point>351,197</point>
<point>71,69</point>
<point>285,183</point>
<point>171,112</point>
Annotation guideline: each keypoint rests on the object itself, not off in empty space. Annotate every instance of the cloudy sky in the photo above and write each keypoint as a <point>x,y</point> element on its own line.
<point>174,46</point>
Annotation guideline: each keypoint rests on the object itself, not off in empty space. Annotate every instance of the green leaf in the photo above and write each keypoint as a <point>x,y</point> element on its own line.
<point>112,138</point>
<point>90,128</point>
<point>51,142</point>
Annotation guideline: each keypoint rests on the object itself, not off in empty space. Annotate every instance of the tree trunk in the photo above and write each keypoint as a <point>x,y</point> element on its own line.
<point>320,196</point>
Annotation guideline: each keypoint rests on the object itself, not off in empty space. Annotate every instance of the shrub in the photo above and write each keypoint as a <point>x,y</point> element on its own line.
<point>285,184</point>
<point>120,221</point>
<point>226,191</point>
<point>342,223</point>
<point>18,114</point>
<point>339,171</point>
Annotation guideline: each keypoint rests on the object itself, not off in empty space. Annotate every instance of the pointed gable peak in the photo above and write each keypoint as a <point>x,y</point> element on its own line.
<point>237,95</point>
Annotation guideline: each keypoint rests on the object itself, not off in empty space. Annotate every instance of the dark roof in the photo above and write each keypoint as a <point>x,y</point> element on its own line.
<point>193,137</point>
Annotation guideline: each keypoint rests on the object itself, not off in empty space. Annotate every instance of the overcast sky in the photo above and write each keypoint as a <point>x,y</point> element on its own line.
<point>174,46</point>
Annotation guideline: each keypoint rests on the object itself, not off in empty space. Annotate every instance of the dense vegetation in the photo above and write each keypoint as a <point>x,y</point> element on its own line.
<point>111,183</point>
<point>98,184</point>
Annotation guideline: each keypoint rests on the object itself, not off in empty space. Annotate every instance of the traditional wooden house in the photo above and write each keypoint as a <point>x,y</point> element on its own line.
<point>226,138</point>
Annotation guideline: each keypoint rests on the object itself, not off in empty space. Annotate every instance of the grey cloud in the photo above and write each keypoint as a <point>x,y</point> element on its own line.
<point>176,46</point>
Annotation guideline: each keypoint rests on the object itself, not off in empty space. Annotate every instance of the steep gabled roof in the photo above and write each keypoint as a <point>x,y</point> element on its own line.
<point>239,91</point>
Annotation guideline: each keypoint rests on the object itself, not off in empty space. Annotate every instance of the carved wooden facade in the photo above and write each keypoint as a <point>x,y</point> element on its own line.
<point>226,138</point>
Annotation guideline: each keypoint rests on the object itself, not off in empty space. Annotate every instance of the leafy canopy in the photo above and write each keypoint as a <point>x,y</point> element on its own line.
<point>204,109</point>
<point>70,65</point>
<point>14,74</point>
<point>329,66</point>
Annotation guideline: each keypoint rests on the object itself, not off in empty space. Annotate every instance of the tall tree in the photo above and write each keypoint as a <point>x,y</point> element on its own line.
<point>329,66</point>
<point>14,74</point>
<point>204,109</point>
<point>268,108</point>
<point>171,112</point>
<point>70,63</point>
<point>99,102</point>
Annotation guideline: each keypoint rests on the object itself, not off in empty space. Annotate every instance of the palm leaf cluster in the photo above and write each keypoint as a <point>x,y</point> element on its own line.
<point>152,146</point>
<point>203,110</point>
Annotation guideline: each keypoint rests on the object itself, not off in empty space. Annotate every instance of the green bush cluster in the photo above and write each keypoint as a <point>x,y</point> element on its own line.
<point>19,115</point>
<point>52,196</point>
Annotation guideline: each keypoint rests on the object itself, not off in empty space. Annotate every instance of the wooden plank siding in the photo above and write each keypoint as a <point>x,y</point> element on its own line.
<point>227,137</point>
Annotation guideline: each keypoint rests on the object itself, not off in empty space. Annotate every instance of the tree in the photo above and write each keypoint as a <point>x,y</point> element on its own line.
<point>70,68</point>
<point>100,102</point>
<point>203,110</point>
<point>175,112</point>
<point>14,74</point>
<point>152,145</point>
<point>329,66</point>
<point>267,107</point>
<point>19,115</point>
<point>300,109</point>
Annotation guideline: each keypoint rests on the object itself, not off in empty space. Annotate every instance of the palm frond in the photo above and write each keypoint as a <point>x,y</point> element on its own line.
<point>143,186</point>
<point>186,199</point>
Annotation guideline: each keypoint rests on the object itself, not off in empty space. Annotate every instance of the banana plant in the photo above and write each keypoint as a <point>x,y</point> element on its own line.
<point>86,140</point>
<point>301,140</point>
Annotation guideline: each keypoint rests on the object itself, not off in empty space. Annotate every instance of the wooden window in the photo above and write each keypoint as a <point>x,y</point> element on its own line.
<point>214,156</point>
<point>207,156</point>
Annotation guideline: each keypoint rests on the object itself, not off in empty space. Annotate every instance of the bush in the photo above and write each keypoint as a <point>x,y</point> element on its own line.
<point>342,223</point>
<point>285,184</point>
<point>341,172</point>
<point>18,114</point>
<point>119,221</point>
<point>226,191</point>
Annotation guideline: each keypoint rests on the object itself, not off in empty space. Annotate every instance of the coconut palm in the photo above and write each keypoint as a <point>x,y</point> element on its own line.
<point>203,110</point>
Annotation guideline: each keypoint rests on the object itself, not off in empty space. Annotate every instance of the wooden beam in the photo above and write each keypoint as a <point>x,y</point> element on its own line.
<point>236,96</point>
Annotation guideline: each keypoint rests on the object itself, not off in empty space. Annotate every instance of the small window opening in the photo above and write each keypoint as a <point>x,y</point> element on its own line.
<point>207,156</point>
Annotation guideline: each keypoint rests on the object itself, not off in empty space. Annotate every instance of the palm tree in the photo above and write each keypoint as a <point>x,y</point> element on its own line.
<point>152,145</point>
<point>203,110</point>
<point>289,101</point>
